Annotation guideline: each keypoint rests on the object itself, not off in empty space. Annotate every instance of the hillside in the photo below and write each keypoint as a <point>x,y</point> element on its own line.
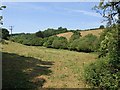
<point>83,33</point>
<point>94,32</point>
<point>67,35</point>
<point>30,66</point>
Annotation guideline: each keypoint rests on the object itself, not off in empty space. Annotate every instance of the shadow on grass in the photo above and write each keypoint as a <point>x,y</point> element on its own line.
<point>23,72</point>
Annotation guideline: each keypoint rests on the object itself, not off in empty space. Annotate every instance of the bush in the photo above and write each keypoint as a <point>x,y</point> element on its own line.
<point>50,32</point>
<point>28,39</point>
<point>87,43</point>
<point>48,42</point>
<point>73,45</point>
<point>34,42</point>
<point>101,27</point>
<point>76,35</point>
<point>60,43</point>
<point>107,40</point>
<point>4,33</point>
<point>39,34</point>
<point>100,74</point>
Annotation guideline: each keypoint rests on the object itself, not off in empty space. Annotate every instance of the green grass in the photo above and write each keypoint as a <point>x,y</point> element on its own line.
<point>29,66</point>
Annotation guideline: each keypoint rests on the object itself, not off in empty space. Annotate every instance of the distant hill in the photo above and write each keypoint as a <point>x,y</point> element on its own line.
<point>83,33</point>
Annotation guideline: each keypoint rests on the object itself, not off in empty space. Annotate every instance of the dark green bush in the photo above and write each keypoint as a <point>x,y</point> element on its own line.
<point>39,34</point>
<point>101,27</point>
<point>4,33</point>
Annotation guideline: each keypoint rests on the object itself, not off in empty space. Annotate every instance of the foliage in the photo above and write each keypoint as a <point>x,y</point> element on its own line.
<point>60,43</point>
<point>39,34</point>
<point>103,40</point>
<point>109,44</point>
<point>105,73</point>
<point>51,32</point>
<point>109,10</point>
<point>76,35</point>
<point>49,41</point>
<point>28,39</point>
<point>87,43</point>
<point>100,74</point>
<point>73,45</point>
<point>114,47</point>
<point>1,17</point>
<point>4,33</point>
<point>102,27</point>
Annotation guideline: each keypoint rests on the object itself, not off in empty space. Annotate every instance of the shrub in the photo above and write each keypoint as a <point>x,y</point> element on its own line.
<point>35,42</point>
<point>107,41</point>
<point>49,41</point>
<point>101,27</point>
<point>72,45</point>
<point>100,74</point>
<point>4,33</point>
<point>39,34</point>
<point>60,43</point>
<point>50,32</point>
<point>28,39</point>
<point>76,35</point>
<point>87,43</point>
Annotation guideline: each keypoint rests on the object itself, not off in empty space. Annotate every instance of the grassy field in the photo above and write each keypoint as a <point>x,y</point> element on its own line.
<point>83,33</point>
<point>36,67</point>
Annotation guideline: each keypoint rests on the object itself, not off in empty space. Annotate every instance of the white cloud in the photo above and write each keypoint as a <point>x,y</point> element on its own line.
<point>88,13</point>
<point>84,12</point>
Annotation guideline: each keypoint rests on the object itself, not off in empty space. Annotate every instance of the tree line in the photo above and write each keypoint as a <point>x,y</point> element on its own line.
<point>85,44</point>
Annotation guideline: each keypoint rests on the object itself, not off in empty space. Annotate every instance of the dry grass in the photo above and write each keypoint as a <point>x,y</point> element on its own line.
<point>67,35</point>
<point>83,33</point>
<point>64,72</point>
<point>94,32</point>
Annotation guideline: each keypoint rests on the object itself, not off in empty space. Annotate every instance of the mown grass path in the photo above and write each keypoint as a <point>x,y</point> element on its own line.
<point>49,68</point>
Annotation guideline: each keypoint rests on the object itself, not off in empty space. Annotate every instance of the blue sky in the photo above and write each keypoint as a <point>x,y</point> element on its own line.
<point>34,16</point>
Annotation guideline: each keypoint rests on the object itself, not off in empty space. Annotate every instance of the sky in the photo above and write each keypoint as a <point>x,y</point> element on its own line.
<point>30,17</point>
